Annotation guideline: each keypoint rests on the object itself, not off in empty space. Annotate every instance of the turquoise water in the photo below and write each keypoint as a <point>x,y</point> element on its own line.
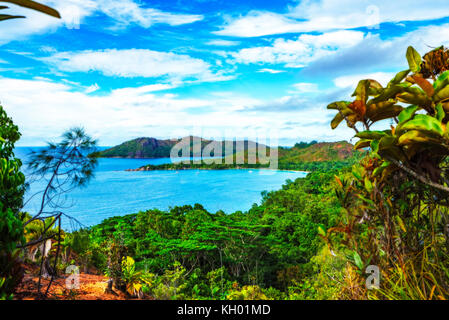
<point>114,191</point>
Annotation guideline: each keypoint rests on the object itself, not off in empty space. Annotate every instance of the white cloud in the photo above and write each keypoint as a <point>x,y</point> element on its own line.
<point>351,81</point>
<point>74,12</point>
<point>135,63</point>
<point>268,70</point>
<point>44,109</point>
<point>375,54</point>
<point>127,11</point>
<point>345,14</point>
<point>297,53</point>
<point>305,87</point>
<point>223,43</point>
<point>92,88</point>
<point>327,15</point>
<point>344,52</point>
<point>257,24</point>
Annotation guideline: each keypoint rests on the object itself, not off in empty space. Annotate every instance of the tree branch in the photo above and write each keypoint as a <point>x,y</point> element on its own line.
<point>418,176</point>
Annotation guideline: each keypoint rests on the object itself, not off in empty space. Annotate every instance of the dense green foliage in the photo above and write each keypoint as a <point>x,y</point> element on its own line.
<point>188,252</point>
<point>396,199</point>
<point>303,145</point>
<point>11,197</point>
<point>299,166</point>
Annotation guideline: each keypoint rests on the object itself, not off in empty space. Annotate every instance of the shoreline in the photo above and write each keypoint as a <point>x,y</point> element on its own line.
<point>210,169</point>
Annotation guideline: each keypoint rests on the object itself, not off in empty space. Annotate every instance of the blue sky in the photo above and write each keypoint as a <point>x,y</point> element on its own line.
<point>243,69</point>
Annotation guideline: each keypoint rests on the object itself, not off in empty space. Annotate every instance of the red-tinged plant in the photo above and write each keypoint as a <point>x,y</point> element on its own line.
<point>397,197</point>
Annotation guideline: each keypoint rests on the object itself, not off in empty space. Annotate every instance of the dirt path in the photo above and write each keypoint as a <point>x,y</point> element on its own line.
<point>91,287</point>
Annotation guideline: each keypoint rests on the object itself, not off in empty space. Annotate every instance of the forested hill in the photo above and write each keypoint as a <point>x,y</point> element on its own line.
<point>303,156</point>
<point>155,148</point>
<point>322,151</point>
<point>322,156</point>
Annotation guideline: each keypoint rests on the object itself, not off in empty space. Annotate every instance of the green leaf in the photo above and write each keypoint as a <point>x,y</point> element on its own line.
<point>389,93</point>
<point>337,120</point>
<point>442,81</point>
<point>368,185</point>
<point>380,169</point>
<point>415,96</point>
<point>358,261</point>
<point>414,59</point>
<point>361,92</point>
<point>357,172</point>
<point>321,231</point>
<point>423,122</point>
<point>407,113</point>
<point>442,94</point>
<point>338,105</point>
<point>375,146</point>
<point>440,112</point>
<point>362,143</point>
<point>401,223</point>
<point>416,137</point>
<point>383,110</point>
<point>370,134</point>
<point>399,77</point>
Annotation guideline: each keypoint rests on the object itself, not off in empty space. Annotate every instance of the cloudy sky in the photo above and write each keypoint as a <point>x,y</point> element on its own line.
<point>225,68</point>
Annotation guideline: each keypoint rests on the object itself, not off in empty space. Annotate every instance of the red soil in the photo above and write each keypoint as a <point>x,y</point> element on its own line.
<point>92,287</point>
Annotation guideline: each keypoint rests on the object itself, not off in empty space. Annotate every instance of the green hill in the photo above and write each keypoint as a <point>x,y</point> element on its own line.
<point>140,148</point>
<point>155,148</point>
<point>318,152</point>
<point>303,156</point>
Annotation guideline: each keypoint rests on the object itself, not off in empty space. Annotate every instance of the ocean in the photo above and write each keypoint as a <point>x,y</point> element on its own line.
<point>114,191</point>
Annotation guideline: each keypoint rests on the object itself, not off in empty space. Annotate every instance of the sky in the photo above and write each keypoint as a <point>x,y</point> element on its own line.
<point>124,69</point>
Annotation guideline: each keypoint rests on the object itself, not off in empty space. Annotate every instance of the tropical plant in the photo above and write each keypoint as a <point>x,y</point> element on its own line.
<point>11,197</point>
<point>397,197</point>
<point>247,293</point>
<point>134,279</point>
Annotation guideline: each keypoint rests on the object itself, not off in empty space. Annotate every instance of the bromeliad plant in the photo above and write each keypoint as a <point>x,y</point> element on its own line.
<point>397,197</point>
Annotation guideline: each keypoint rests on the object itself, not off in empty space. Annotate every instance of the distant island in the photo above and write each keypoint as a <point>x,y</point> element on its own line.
<point>301,157</point>
<point>152,148</point>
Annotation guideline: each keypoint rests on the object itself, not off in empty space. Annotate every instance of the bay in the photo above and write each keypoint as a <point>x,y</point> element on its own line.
<point>114,191</point>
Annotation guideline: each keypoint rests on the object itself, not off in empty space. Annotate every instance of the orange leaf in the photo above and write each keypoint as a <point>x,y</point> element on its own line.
<point>425,85</point>
<point>339,181</point>
<point>358,107</point>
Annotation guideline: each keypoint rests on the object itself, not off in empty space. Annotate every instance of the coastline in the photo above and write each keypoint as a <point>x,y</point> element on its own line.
<point>217,169</point>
